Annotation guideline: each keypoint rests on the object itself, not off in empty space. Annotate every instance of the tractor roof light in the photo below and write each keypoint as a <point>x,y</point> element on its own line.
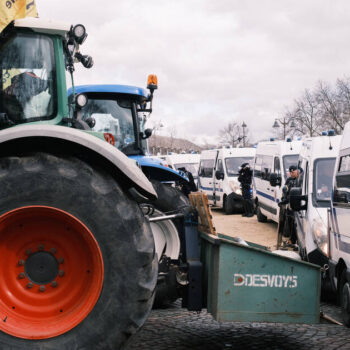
<point>79,33</point>
<point>81,100</point>
<point>152,82</point>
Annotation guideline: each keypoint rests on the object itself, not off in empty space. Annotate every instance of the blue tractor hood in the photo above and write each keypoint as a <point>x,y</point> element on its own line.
<point>154,168</point>
<point>138,92</point>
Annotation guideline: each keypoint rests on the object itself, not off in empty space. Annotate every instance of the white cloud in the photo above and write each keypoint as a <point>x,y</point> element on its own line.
<point>216,61</point>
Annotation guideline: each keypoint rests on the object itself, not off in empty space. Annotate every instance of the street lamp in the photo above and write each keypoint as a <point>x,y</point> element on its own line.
<point>284,123</point>
<point>244,125</point>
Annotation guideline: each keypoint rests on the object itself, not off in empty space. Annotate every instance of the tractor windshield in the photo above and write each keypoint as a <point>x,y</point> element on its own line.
<point>112,116</point>
<point>27,91</point>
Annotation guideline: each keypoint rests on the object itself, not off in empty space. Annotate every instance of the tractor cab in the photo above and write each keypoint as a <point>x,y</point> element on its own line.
<point>118,111</point>
<point>34,56</point>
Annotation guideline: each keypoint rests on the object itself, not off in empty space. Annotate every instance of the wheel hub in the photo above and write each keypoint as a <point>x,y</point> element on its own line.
<point>51,272</point>
<point>41,267</point>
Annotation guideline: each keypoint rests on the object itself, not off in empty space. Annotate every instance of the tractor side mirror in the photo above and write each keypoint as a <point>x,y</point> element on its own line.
<point>275,180</point>
<point>91,122</point>
<point>147,133</point>
<point>295,199</point>
<point>219,175</point>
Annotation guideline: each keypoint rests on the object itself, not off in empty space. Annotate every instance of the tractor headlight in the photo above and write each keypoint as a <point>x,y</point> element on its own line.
<point>79,33</point>
<point>235,188</point>
<point>319,232</point>
<point>81,100</point>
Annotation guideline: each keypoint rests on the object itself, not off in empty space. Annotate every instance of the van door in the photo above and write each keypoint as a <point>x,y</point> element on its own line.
<point>301,217</point>
<point>205,179</point>
<point>264,190</point>
<point>219,184</point>
<point>275,191</point>
<point>341,210</point>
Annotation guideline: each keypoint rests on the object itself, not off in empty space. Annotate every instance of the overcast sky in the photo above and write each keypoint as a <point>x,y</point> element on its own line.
<point>217,61</point>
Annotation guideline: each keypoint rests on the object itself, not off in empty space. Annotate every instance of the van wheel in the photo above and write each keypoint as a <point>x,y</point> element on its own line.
<point>228,206</point>
<point>344,298</point>
<point>259,215</point>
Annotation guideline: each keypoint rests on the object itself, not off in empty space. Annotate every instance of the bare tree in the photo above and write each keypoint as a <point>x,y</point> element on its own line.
<point>306,117</point>
<point>172,135</point>
<point>343,94</point>
<point>230,134</point>
<point>329,107</point>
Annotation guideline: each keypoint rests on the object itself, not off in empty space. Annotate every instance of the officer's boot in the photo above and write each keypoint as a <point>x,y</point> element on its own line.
<point>245,209</point>
<point>250,206</point>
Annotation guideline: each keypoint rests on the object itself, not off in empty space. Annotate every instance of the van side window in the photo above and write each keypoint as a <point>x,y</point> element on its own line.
<point>277,166</point>
<point>266,167</point>
<point>206,168</point>
<point>220,166</point>
<point>342,183</point>
<point>257,165</point>
<point>302,173</point>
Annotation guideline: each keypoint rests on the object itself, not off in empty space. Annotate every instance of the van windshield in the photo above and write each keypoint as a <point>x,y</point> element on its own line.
<point>323,177</point>
<point>289,160</point>
<point>233,164</point>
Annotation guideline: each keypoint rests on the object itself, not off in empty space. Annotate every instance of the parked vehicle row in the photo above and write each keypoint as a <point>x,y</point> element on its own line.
<point>218,176</point>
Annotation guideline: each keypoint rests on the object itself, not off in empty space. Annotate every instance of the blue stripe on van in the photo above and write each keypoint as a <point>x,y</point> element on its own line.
<point>211,189</point>
<point>262,194</point>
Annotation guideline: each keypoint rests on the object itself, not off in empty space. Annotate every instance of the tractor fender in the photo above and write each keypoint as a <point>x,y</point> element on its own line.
<point>56,136</point>
<point>155,169</point>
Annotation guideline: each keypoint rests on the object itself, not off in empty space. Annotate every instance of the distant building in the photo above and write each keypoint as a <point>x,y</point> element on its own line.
<point>163,144</point>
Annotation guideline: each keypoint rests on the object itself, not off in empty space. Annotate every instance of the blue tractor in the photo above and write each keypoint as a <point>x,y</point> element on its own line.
<point>120,112</point>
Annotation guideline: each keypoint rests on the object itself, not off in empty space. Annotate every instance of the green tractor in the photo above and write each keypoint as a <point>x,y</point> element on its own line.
<point>78,267</point>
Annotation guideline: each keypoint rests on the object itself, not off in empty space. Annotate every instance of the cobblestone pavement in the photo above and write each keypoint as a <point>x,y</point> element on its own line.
<point>176,328</point>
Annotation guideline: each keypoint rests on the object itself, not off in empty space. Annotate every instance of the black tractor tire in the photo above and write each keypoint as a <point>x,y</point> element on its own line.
<point>170,200</point>
<point>259,215</point>
<point>94,197</point>
<point>228,206</point>
<point>344,298</point>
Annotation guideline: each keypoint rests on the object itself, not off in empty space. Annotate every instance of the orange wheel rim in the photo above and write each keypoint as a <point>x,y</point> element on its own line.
<point>51,272</point>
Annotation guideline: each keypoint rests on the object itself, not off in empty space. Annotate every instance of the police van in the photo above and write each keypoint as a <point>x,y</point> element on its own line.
<point>189,161</point>
<point>271,169</point>
<point>339,227</point>
<point>218,176</point>
<point>313,195</point>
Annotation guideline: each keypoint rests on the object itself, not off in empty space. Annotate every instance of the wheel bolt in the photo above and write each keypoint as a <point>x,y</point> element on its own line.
<point>54,284</point>
<point>60,260</point>
<point>40,247</point>
<point>53,250</point>
<point>21,275</point>
<point>29,285</point>
<point>21,262</point>
<point>61,273</point>
<point>42,288</point>
<point>28,251</point>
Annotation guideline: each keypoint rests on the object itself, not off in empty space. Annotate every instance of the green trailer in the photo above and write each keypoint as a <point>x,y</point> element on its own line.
<point>250,283</point>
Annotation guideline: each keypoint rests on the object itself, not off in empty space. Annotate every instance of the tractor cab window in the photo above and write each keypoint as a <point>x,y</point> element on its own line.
<point>112,116</point>
<point>27,78</point>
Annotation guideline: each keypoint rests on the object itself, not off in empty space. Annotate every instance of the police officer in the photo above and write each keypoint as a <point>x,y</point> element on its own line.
<point>245,178</point>
<point>190,186</point>
<point>287,222</point>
